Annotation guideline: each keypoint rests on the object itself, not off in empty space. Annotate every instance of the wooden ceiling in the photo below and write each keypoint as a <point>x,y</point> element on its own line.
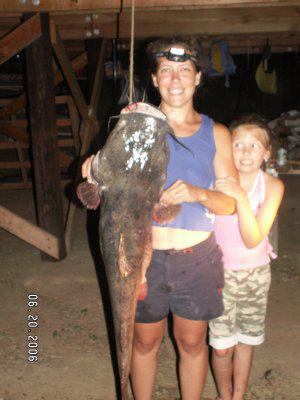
<point>244,24</point>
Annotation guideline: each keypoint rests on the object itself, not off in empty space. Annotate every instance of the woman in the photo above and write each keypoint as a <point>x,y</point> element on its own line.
<point>185,274</point>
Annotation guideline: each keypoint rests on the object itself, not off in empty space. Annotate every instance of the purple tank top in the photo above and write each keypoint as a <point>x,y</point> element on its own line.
<point>193,166</point>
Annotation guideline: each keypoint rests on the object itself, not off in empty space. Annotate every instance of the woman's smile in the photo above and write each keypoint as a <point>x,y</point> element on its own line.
<point>176,91</point>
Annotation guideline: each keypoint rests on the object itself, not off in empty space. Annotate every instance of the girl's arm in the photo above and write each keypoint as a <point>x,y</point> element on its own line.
<point>215,201</point>
<point>253,228</point>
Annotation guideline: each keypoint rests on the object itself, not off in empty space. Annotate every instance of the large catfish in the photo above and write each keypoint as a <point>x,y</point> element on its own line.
<point>129,173</point>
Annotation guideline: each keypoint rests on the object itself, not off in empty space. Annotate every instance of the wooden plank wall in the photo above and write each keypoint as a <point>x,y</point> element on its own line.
<point>244,24</point>
<point>16,139</point>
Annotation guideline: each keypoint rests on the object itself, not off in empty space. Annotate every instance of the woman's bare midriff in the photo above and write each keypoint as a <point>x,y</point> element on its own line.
<point>178,239</point>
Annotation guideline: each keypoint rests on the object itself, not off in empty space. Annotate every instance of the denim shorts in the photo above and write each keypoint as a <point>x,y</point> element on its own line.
<point>188,282</point>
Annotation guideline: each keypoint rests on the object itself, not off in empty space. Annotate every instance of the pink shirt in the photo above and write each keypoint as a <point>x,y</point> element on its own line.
<point>236,255</point>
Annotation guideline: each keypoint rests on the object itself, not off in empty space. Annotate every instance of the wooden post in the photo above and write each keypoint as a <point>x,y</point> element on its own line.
<point>93,47</point>
<point>20,37</point>
<point>74,118</point>
<point>21,158</point>
<point>87,129</point>
<point>68,71</point>
<point>41,100</point>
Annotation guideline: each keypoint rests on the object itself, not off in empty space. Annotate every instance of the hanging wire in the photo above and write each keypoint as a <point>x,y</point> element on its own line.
<point>131,53</point>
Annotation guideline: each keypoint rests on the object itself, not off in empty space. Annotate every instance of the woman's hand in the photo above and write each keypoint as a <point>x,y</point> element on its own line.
<point>230,187</point>
<point>86,169</point>
<point>181,192</point>
<point>131,107</point>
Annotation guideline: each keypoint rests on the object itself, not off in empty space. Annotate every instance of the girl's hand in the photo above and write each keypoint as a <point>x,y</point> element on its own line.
<point>131,107</point>
<point>230,187</point>
<point>86,169</point>
<point>181,192</point>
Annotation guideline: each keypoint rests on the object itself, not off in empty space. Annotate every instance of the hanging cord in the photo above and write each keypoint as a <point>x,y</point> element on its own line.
<point>131,53</point>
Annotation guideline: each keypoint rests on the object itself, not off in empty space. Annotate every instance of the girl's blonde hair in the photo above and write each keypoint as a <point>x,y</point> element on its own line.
<point>254,120</point>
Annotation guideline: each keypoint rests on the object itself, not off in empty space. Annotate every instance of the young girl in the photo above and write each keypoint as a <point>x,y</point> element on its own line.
<point>243,238</point>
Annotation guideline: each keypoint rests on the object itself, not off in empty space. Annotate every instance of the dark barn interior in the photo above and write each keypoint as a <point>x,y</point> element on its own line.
<point>64,71</point>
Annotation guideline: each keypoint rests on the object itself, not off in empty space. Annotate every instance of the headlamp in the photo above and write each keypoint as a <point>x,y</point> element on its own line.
<point>176,54</point>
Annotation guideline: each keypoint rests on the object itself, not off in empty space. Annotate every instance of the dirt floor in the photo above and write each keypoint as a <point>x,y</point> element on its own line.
<point>74,357</point>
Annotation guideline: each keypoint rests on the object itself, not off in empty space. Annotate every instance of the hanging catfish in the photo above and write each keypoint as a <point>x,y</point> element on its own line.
<point>129,174</point>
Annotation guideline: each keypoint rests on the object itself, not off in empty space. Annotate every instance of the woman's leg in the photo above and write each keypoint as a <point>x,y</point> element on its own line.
<point>146,344</point>
<point>241,366</point>
<point>222,365</point>
<point>191,341</point>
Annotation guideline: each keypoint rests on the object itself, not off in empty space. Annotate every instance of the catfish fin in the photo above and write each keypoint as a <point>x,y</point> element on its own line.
<point>124,266</point>
<point>89,194</point>
<point>143,288</point>
<point>164,214</point>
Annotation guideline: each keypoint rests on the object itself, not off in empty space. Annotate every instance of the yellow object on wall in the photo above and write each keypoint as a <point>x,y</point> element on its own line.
<point>266,81</point>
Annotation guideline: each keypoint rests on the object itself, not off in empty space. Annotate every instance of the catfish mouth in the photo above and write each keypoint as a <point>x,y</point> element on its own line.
<point>150,110</point>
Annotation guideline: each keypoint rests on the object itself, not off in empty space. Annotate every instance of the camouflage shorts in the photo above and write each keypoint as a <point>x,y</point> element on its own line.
<point>245,301</point>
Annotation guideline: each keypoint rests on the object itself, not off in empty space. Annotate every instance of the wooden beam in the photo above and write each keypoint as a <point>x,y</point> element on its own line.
<point>32,234</point>
<point>217,18</point>
<point>14,164</point>
<point>21,159</point>
<point>19,103</point>
<point>87,129</point>
<point>15,185</point>
<point>115,5</point>
<point>186,22</point>
<point>75,123</point>
<point>212,22</point>
<point>41,99</point>
<point>17,164</point>
<point>22,123</point>
<point>8,128</point>
<point>99,75</point>
<point>239,43</point>
<point>12,108</point>
<point>23,185</point>
<point>68,71</point>
<point>15,145</point>
<point>19,38</point>
<point>92,47</point>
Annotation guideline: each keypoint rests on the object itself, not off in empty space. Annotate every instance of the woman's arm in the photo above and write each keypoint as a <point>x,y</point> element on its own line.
<point>253,228</point>
<point>215,201</point>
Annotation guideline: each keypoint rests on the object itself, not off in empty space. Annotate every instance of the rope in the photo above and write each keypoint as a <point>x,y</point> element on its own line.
<point>131,53</point>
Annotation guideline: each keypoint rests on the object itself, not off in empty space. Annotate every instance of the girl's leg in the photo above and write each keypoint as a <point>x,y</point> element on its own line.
<point>242,365</point>
<point>191,341</point>
<point>251,316</point>
<point>146,343</point>
<point>222,365</point>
